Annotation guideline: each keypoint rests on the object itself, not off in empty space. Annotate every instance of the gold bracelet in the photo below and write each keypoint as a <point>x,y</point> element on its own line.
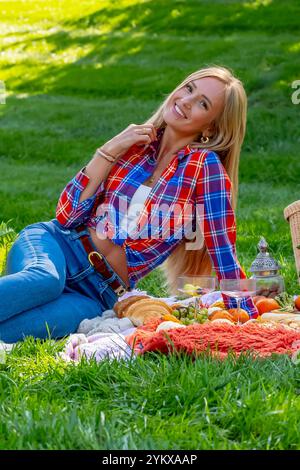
<point>107,154</point>
<point>107,157</point>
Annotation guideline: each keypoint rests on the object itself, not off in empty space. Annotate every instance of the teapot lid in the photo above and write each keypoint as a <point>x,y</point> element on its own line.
<point>264,264</point>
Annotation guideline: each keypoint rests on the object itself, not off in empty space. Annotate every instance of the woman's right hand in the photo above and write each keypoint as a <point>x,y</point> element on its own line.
<point>134,134</point>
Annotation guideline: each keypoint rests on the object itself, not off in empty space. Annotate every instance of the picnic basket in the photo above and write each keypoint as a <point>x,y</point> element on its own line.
<point>292,215</point>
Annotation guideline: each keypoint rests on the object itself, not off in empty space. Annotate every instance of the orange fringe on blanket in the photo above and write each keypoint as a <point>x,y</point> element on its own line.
<point>219,339</point>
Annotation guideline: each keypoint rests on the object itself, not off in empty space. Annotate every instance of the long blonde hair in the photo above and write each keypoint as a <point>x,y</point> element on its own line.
<point>230,128</point>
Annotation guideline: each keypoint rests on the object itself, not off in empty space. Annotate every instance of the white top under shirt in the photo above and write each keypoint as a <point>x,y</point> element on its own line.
<point>136,205</point>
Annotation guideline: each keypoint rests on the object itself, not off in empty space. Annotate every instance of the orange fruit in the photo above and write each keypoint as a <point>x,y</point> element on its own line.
<point>256,298</point>
<point>242,316</point>
<point>222,314</point>
<point>297,302</point>
<point>266,305</point>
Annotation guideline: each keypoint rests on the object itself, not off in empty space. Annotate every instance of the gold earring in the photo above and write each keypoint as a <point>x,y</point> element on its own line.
<point>204,140</point>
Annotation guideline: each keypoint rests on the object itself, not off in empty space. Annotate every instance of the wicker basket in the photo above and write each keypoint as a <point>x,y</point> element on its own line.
<point>292,215</point>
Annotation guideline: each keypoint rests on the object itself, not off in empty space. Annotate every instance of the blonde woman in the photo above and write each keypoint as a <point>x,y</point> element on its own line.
<point>101,242</point>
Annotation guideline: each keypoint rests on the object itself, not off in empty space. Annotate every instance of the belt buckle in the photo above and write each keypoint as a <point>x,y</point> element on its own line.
<point>120,291</point>
<point>93,253</point>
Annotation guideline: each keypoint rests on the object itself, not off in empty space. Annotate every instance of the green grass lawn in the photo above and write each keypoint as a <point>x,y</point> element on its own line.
<point>76,74</point>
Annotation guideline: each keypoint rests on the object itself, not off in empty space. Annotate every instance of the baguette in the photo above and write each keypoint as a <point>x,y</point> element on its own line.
<point>280,316</point>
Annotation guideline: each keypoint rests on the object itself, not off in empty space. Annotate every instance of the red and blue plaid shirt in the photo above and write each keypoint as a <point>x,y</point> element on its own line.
<point>194,178</point>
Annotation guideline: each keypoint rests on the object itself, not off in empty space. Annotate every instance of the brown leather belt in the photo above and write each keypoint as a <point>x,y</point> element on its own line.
<point>96,260</point>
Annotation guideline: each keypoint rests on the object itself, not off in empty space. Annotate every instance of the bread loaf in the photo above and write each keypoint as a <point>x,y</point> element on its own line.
<point>121,306</point>
<point>142,310</point>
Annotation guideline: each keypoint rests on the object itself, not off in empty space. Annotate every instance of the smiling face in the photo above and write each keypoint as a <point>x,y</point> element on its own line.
<point>194,107</point>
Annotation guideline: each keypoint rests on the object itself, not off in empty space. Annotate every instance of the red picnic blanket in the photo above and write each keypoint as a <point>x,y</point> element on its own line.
<point>219,339</point>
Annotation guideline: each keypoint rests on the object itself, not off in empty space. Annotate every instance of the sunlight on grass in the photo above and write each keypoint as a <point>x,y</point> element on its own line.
<point>45,11</point>
<point>58,10</point>
<point>3,254</point>
<point>294,47</point>
<point>257,4</point>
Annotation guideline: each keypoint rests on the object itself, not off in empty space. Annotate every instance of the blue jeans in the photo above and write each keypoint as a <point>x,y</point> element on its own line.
<point>49,285</point>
